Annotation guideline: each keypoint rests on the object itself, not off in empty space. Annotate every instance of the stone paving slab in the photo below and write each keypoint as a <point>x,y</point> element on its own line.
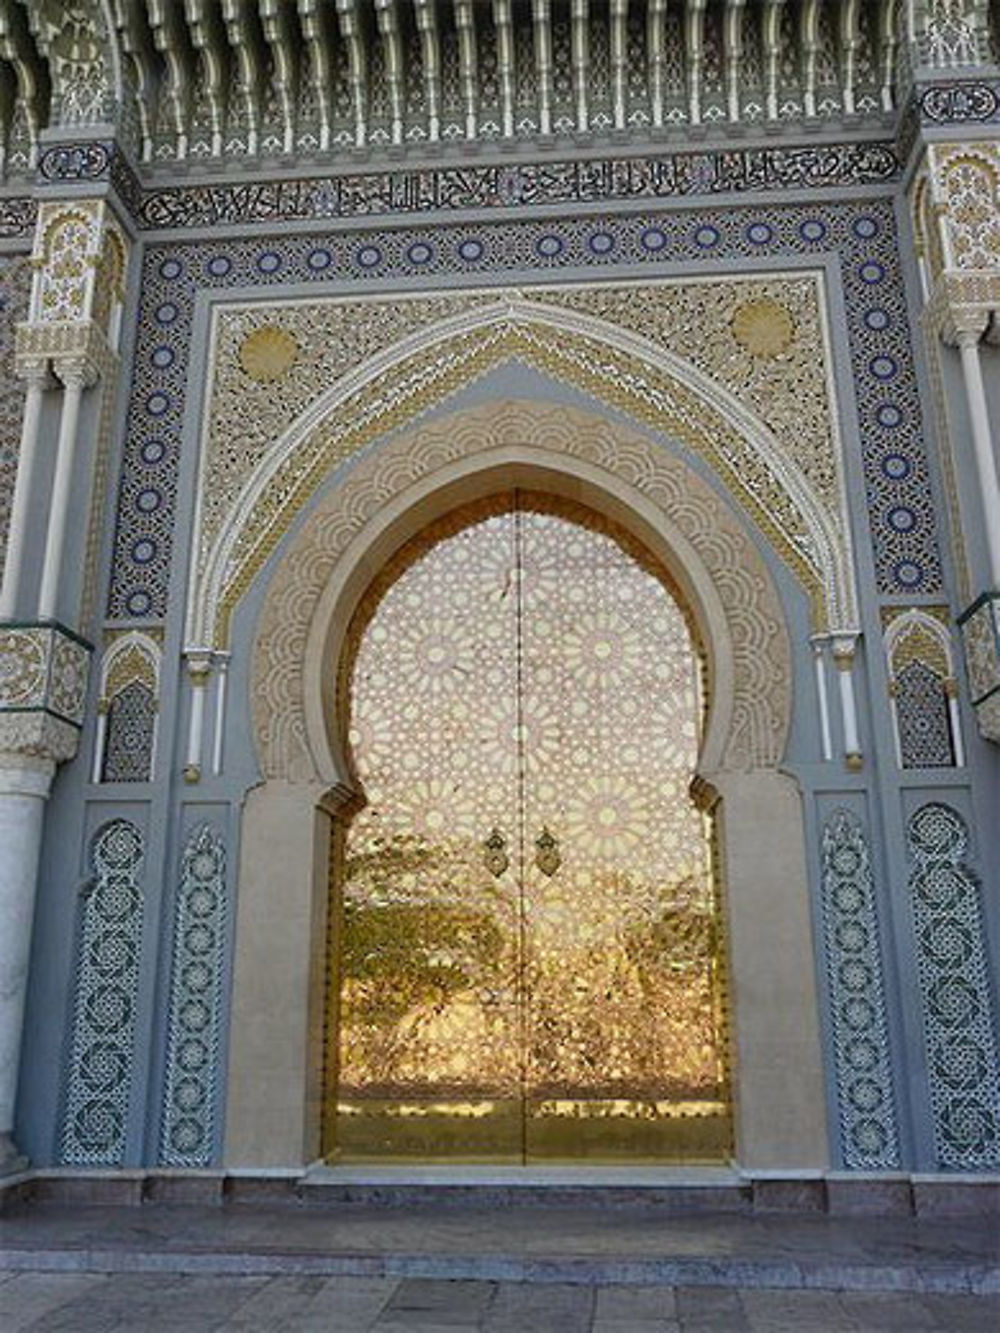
<point>97,1303</point>
<point>576,1247</point>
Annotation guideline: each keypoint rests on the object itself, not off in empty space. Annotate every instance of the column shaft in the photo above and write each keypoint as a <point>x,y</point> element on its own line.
<point>48,600</point>
<point>982,443</point>
<point>24,786</point>
<point>18,531</point>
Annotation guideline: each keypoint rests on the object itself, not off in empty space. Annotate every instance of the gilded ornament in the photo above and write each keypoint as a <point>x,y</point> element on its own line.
<point>267,352</point>
<point>548,858</point>
<point>763,327</point>
<point>495,856</point>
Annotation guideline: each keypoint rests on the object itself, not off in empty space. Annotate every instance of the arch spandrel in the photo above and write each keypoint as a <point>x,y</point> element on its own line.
<point>418,475</point>
<point>642,380</point>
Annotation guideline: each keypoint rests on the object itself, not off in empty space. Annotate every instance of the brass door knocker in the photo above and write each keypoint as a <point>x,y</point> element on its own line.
<point>547,857</point>
<point>495,856</point>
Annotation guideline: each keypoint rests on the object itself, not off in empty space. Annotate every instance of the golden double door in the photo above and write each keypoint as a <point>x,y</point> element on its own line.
<point>525,958</point>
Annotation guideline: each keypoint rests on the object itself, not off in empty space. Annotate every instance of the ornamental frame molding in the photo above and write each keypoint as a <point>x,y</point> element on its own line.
<point>400,487</point>
<point>423,369</point>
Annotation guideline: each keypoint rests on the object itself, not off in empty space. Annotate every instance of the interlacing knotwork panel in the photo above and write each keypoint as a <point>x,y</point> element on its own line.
<point>190,1096</point>
<point>753,615</point>
<point>529,959</point>
<point>865,1097</point>
<point>957,1008</point>
<point>102,1045</point>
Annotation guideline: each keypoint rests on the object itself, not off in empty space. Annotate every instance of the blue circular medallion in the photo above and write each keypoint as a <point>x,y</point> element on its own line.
<point>320,259</point>
<point>866,228</point>
<point>219,265</point>
<point>759,233</point>
<point>162,357</point>
<point>706,237</point>
<point>152,452</point>
<point>166,313</point>
<point>269,261</point>
<point>889,416</point>
<point>812,230</point>
<point>420,253</point>
<point>883,367</point>
<point>548,247</point>
<point>143,551</point>
<point>157,403</point>
<point>601,243</point>
<point>908,574</point>
<point>653,239</point>
<point>896,467</point>
<point>877,319</point>
<point>871,272</point>
<point>901,519</point>
<point>149,500</point>
<point>471,249</point>
<point>171,268</point>
<point>369,256</point>
<point>138,602</point>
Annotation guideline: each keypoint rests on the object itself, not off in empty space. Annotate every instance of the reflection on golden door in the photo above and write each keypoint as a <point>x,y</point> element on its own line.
<point>525,960</point>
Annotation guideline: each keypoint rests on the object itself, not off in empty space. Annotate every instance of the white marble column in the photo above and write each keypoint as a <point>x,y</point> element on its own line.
<point>24,787</point>
<point>17,534</point>
<point>982,445</point>
<point>62,483</point>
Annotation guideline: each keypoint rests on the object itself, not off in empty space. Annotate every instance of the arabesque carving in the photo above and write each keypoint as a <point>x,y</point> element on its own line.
<point>763,424</point>
<point>761,654</point>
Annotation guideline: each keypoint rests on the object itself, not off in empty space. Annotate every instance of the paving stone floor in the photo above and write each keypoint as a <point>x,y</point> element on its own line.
<point>32,1302</point>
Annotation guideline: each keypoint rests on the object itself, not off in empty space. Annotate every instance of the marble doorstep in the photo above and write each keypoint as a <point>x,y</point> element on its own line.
<point>582,1247</point>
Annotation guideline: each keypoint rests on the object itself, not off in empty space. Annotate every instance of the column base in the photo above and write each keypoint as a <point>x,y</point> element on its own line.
<point>12,1161</point>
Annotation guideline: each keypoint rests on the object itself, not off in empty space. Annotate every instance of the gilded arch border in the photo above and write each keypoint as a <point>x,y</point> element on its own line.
<point>706,546</point>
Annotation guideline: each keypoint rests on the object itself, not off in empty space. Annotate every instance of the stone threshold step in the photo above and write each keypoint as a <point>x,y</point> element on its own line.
<point>976,1279</point>
<point>712,1191</point>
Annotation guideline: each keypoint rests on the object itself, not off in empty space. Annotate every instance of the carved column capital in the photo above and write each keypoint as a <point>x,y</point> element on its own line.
<point>42,692</point>
<point>34,370</point>
<point>36,742</point>
<point>961,306</point>
<point>77,351</point>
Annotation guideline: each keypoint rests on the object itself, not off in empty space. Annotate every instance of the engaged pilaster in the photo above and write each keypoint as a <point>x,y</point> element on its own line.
<point>67,345</point>
<point>955,209</point>
<point>42,694</point>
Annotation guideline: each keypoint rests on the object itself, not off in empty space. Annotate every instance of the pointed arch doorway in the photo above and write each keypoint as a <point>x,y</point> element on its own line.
<point>525,953</point>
